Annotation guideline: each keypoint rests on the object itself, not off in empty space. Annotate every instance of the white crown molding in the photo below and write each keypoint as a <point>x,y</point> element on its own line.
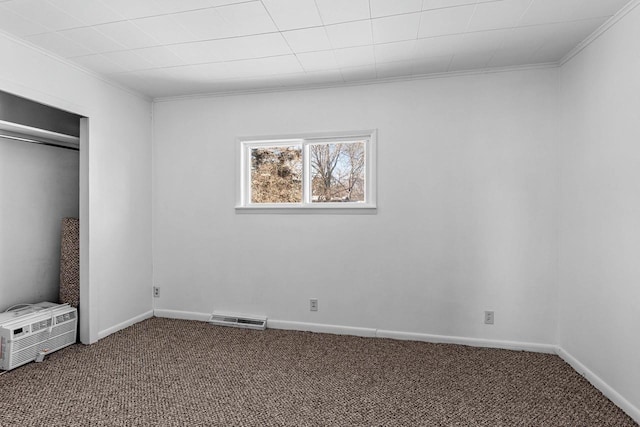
<point>72,64</point>
<point>599,31</point>
<point>278,89</point>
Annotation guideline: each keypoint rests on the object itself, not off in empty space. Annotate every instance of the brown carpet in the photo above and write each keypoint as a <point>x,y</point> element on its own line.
<point>164,372</point>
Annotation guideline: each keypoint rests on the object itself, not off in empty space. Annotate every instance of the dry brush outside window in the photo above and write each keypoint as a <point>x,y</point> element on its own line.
<point>276,174</point>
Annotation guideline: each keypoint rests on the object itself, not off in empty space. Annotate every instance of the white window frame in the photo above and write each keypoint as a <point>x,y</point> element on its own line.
<point>246,144</point>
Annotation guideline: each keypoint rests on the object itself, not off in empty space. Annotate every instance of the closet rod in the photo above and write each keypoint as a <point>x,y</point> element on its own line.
<point>38,141</point>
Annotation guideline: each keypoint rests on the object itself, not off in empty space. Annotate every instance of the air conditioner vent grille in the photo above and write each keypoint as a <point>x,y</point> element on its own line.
<point>29,341</point>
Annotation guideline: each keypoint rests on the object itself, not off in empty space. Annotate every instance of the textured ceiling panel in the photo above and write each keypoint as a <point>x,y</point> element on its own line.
<point>170,48</point>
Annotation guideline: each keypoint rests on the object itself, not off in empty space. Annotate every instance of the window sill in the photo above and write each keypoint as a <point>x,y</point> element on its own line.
<point>329,209</point>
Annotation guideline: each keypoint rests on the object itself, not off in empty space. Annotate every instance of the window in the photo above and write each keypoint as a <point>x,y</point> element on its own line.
<point>334,171</point>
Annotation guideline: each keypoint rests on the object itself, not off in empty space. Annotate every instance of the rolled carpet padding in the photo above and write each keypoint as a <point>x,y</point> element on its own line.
<point>70,262</point>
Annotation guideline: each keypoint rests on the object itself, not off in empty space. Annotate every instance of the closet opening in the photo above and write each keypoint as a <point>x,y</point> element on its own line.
<point>40,188</point>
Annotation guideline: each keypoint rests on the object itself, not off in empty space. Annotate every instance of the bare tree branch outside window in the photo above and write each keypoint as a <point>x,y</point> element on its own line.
<point>337,172</point>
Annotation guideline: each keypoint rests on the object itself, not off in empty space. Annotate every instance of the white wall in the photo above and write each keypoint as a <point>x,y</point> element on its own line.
<point>115,182</point>
<point>466,219</point>
<point>599,241</point>
<point>39,186</point>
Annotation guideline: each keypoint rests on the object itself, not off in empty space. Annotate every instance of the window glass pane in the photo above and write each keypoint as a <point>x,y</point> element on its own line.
<point>337,172</point>
<point>276,174</point>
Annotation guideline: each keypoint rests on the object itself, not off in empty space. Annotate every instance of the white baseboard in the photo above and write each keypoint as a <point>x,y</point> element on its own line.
<point>601,385</point>
<point>374,333</point>
<point>125,324</point>
<point>184,315</point>
<point>380,333</point>
<point>473,342</point>
<point>322,328</point>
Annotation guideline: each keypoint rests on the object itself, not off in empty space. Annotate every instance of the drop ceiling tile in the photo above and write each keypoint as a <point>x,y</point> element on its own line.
<point>441,4</point>
<point>248,47</point>
<point>293,14</point>
<point>511,57</point>
<point>441,22</point>
<point>550,53</point>
<point>92,39</point>
<point>470,61</point>
<point>308,39</point>
<point>528,37</point>
<point>129,60</point>
<point>201,73</point>
<point>336,11</point>
<point>264,66</point>
<point>165,29</point>
<point>394,69</point>
<point>44,14</point>
<point>254,83</point>
<point>227,21</point>
<point>173,6</point>
<point>216,3</point>
<point>247,18</point>
<point>153,83</point>
<point>127,34</point>
<point>316,61</point>
<point>99,63</point>
<point>550,11</point>
<point>563,38</point>
<point>350,34</point>
<point>482,41</point>
<point>325,77</point>
<point>394,52</point>
<point>204,24</point>
<point>386,8</point>
<point>132,9</point>
<point>395,28</point>
<point>15,24</point>
<point>431,65</point>
<point>438,46</point>
<point>355,56</point>
<point>160,56</point>
<point>354,74</point>
<point>574,32</point>
<point>58,44</point>
<point>498,14</point>
<point>87,12</point>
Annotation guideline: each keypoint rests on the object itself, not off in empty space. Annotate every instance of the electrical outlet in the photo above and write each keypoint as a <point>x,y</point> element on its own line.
<point>313,304</point>
<point>488,317</point>
<point>156,292</point>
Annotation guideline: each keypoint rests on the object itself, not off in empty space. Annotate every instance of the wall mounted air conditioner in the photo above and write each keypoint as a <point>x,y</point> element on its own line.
<point>238,321</point>
<point>32,332</point>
